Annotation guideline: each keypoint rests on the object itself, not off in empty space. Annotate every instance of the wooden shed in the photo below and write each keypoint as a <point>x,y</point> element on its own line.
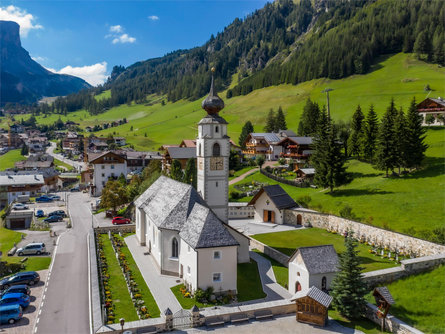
<point>312,306</point>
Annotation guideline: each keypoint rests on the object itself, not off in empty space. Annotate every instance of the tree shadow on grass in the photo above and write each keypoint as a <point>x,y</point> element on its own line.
<point>358,192</point>
<point>434,167</point>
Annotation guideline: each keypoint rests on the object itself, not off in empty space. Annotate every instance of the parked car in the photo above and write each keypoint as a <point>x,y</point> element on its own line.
<point>60,213</point>
<point>120,220</point>
<point>44,198</point>
<point>25,277</point>
<point>15,298</point>
<point>40,214</point>
<point>10,314</point>
<point>53,219</point>
<point>21,288</point>
<point>54,197</point>
<point>19,206</point>
<point>36,248</point>
<point>75,189</point>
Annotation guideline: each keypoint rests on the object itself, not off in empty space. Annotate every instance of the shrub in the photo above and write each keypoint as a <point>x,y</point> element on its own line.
<point>235,194</point>
<point>304,201</point>
<point>282,161</point>
<point>346,212</point>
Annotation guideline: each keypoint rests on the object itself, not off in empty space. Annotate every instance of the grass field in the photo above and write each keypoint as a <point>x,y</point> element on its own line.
<point>124,307</point>
<point>59,163</point>
<point>420,300</point>
<point>8,159</point>
<point>281,272</point>
<point>409,204</point>
<point>400,76</point>
<point>241,172</point>
<point>7,240</point>
<point>286,242</point>
<point>249,282</point>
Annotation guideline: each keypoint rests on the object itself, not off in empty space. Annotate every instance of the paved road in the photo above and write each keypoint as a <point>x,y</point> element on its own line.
<point>50,150</point>
<point>65,305</point>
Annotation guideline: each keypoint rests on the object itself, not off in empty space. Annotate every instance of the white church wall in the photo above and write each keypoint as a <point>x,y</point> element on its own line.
<point>169,264</point>
<point>226,266</point>
<point>298,273</point>
<point>188,259</point>
<point>261,205</point>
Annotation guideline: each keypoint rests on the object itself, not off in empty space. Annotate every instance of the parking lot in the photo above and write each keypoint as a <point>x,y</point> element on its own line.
<point>26,324</point>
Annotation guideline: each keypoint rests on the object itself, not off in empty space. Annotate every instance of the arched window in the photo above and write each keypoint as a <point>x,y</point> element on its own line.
<point>323,283</point>
<point>216,150</point>
<point>297,286</point>
<point>175,247</point>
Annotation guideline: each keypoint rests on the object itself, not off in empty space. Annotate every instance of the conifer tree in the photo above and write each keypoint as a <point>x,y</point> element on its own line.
<point>176,171</point>
<point>270,122</point>
<point>400,139</point>
<point>356,138</point>
<point>24,150</point>
<point>370,134</point>
<point>348,288</point>
<point>280,121</point>
<point>415,136</point>
<point>309,119</point>
<point>386,155</point>
<point>190,173</point>
<point>246,130</point>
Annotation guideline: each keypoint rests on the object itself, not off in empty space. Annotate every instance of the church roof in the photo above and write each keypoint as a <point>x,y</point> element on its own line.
<point>174,205</point>
<point>212,103</point>
<point>318,259</point>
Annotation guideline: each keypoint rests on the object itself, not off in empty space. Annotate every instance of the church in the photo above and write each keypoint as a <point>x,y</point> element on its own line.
<point>185,229</point>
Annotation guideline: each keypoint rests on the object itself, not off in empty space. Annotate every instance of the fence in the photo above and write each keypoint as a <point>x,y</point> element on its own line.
<point>283,180</point>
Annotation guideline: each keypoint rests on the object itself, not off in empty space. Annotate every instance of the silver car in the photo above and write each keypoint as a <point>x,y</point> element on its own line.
<point>31,249</point>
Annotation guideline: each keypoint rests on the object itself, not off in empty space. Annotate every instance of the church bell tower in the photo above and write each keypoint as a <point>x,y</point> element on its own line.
<point>212,152</point>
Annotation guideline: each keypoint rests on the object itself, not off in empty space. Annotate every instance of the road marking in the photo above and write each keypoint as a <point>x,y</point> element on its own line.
<point>43,297</point>
<point>38,319</point>
<point>35,330</point>
<point>40,311</point>
<point>89,284</point>
<point>41,304</point>
<point>46,288</point>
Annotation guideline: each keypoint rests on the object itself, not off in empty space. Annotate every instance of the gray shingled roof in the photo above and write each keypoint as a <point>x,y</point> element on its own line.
<point>318,259</point>
<point>271,138</point>
<point>279,197</point>
<point>174,205</point>
<point>440,101</point>
<point>182,152</point>
<point>203,229</point>
<point>316,294</point>
<point>17,180</point>
<point>384,292</point>
<point>302,140</point>
<point>46,172</point>
<point>212,119</point>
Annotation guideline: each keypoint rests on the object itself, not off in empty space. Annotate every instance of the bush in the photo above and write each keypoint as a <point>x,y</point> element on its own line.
<point>304,201</point>
<point>346,212</point>
<point>268,169</point>
<point>235,194</point>
<point>282,161</point>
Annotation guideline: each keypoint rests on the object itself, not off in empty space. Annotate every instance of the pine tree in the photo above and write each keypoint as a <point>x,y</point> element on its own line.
<point>190,174</point>
<point>348,288</point>
<point>24,150</point>
<point>247,129</point>
<point>309,119</point>
<point>280,121</point>
<point>386,156</point>
<point>370,134</point>
<point>415,136</point>
<point>356,138</point>
<point>319,156</point>
<point>400,142</point>
<point>270,122</point>
<point>176,171</point>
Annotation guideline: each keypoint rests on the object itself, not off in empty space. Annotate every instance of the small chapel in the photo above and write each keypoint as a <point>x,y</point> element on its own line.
<point>186,230</point>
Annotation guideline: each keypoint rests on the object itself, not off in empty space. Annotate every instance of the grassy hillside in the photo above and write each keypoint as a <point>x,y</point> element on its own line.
<point>412,204</point>
<point>400,76</point>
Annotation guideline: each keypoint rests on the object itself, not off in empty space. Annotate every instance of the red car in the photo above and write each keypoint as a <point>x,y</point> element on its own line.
<point>120,220</point>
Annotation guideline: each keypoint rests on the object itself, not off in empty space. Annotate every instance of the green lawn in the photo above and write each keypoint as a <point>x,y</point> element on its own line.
<point>420,300</point>
<point>187,303</point>
<point>395,203</point>
<point>364,325</point>
<point>241,172</point>
<point>148,298</point>
<point>8,159</point>
<point>281,272</point>
<point>249,282</point>
<point>124,307</point>
<point>59,163</point>
<point>286,242</point>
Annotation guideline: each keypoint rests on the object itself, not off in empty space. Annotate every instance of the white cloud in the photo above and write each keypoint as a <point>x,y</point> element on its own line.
<point>116,28</point>
<point>39,59</point>
<point>124,38</point>
<point>117,35</point>
<point>93,74</point>
<point>24,19</point>
<point>153,17</point>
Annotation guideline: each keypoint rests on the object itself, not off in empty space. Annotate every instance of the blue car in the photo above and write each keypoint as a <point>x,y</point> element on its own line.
<point>53,219</point>
<point>40,214</point>
<point>21,288</point>
<point>15,298</point>
<point>44,198</point>
<point>10,314</point>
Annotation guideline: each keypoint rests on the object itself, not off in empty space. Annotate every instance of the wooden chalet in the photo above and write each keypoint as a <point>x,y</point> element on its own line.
<point>297,148</point>
<point>434,107</point>
<point>312,306</point>
<point>182,154</point>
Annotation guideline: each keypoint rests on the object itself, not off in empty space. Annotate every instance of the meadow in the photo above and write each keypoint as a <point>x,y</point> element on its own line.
<point>8,159</point>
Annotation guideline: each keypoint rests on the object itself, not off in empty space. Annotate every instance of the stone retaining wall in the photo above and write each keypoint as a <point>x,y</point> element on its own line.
<point>116,229</point>
<point>376,235</point>
<point>273,253</point>
<point>392,324</point>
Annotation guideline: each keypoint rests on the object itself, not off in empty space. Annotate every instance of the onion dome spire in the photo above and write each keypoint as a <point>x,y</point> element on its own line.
<point>212,103</point>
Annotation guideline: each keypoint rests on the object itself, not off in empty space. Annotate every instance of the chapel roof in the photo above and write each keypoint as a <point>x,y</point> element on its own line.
<point>318,259</point>
<point>277,195</point>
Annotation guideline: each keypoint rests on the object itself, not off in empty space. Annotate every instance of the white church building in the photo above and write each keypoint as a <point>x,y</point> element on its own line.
<point>186,230</point>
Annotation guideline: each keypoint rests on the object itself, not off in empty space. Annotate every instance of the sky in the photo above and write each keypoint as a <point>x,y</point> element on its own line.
<point>87,38</point>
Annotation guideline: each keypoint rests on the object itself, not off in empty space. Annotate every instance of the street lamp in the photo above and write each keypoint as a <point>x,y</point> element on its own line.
<point>122,322</point>
<point>327,90</point>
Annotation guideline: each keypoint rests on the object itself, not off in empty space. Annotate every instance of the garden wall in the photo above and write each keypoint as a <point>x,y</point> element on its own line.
<point>378,236</point>
<point>273,253</point>
<point>392,324</point>
<point>283,180</point>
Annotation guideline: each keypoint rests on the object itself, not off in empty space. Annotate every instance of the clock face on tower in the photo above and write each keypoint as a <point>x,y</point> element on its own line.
<point>216,163</point>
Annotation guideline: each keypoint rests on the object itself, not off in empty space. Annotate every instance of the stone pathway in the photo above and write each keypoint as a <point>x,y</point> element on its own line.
<point>158,284</point>
<point>273,290</point>
<point>242,176</point>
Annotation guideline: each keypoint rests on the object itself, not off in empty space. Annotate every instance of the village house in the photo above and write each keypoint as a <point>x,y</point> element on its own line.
<point>137,161</point>
<point>37,144</point>
<point>35,162</point>
<point>106,166</point>
<point>262,144</point>
<point>12,186</point>
<point>432,107</point>
<point>182,154</point>
<point>185,230</point>
<point>312,266</point>
<point>50,177</point>
<point>296,148</point>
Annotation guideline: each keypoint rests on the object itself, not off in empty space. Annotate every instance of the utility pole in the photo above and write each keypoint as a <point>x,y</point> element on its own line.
<point>327,90</point>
